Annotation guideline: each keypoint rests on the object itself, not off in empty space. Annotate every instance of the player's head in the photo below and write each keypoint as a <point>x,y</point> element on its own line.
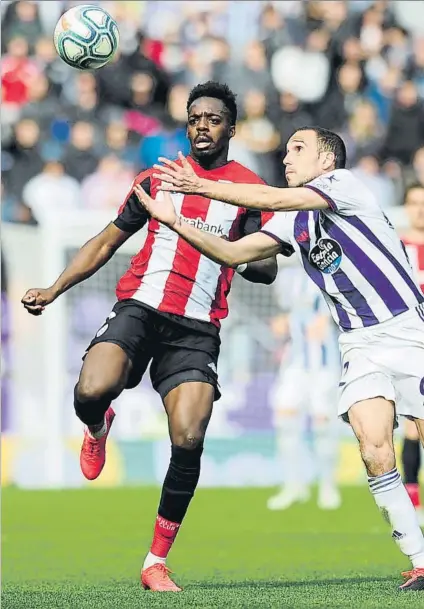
<point>211,120</point>
<point>312,151</point>
<point>414,206</point>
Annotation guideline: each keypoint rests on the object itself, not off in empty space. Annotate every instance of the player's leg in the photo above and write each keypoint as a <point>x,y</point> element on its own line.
<point>411,461</point>
<point>184,372</point>
<point>326,445</point>
<point>107,370</point>
<point>323,400</point>
<point>289,403</point>
<point>189,408</point>
<point>372,421</point>
<point>103,376</point>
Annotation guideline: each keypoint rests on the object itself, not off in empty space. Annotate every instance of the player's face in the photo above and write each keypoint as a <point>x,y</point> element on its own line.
<point>208,128</point>
<point>304,161</point>
<point>414,206</point>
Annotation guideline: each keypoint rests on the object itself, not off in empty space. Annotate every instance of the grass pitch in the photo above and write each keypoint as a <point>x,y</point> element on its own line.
<point>82,549</point>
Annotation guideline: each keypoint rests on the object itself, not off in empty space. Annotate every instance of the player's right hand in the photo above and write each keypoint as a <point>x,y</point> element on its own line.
<point>36,300</point>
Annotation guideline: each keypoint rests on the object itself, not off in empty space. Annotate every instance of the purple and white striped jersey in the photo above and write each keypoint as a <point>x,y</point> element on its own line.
<point>351,251</point>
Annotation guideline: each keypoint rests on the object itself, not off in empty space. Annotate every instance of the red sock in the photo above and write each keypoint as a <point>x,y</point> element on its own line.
<point>413,491</point>
<point>164,536</point>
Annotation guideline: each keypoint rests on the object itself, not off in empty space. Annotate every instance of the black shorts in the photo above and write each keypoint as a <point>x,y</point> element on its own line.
<point>180,349</point>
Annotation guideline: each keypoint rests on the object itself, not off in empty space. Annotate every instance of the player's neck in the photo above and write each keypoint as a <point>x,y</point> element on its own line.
<point>212,162</point>
<point>415,235</point>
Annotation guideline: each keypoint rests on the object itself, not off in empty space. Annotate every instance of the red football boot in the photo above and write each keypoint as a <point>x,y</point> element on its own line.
<point>156,578</point>
<point>414,579</point>
<point>93,452</point>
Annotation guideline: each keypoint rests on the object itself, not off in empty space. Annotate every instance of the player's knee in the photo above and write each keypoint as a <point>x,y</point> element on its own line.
<point>92,390</point>
<point>188,438</point>
<point>378,456</point>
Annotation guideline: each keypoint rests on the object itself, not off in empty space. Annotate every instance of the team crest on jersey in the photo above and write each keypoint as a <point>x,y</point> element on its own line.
<point>326,256</point>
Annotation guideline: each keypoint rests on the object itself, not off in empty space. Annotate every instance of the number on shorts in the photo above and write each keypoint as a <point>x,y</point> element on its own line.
<point>422,386</point>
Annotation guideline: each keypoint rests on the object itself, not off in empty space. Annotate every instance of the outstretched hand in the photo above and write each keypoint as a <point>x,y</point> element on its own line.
<point>161,209</point>
<point>177,178</point>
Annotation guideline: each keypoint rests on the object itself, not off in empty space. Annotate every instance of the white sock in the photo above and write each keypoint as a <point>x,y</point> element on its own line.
<point>152,559</point>
<point>292,448</point>
<point>326,447</point>
<point>97,431</point>
<point>391,497</point>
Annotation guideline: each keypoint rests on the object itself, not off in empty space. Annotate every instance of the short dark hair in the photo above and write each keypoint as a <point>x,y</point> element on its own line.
<point>328,141</point>
<point>216,90</point>
<point>412,186</point>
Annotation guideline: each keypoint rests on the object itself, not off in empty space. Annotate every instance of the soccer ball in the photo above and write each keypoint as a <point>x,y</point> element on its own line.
<point>86,37</point>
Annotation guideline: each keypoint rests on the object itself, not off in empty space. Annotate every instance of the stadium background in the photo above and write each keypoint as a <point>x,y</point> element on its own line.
<point>71,144</point>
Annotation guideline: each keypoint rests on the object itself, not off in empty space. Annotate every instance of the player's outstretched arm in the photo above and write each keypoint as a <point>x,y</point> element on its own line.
<point>260,271</point>
<point>182,178</point>
<point>89,259</point>
<point>257,246</point>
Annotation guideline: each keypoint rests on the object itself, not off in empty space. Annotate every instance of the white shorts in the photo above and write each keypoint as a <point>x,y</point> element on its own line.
<point>311,392</point>
<point>386,361</point>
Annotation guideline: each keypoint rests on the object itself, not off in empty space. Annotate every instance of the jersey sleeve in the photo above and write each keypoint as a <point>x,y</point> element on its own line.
<point>131,215</point>
<point>279,227</point>
<point>344,192</point>
<point>253,220</point>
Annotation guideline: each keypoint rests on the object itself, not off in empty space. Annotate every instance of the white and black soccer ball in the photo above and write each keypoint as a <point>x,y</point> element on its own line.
<point>86,37</point>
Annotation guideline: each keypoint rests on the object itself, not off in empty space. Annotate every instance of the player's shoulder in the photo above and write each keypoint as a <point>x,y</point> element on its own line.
<point>143,176</point>
<point>343,185</point>
<point>334,180</point>
<point>241,173</point>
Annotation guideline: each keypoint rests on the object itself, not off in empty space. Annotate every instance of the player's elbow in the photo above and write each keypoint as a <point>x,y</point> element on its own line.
<point>262,271</point>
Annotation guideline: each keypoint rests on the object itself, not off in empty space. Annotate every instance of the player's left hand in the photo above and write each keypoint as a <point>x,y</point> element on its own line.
<point>177,178</point>
<point>161,209</point>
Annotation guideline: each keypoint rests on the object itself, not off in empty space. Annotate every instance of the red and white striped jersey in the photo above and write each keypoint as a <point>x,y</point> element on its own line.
<point>168,274</point>
<point>415,253</point>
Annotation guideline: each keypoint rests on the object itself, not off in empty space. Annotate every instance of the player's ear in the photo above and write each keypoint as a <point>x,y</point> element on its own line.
<point>232,131</point>
<point>329,160</point>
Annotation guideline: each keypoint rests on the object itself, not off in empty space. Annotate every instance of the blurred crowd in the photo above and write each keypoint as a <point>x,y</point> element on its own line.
<point>76,139</point>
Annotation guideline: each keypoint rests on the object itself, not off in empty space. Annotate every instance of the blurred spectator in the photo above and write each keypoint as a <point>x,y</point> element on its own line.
<point>382,91</point>
<point>290,61</point>
<point>22,20</point>
<point>50,63</point>
<point>171,136</point>
<point>80,159</point>
<point>415,173</point>
<point>113,81</point>
<point>17,71</point>
<point>368,171</point>
<point>138,62</point>
<point>277,31</point>
<point>252,73</point>
<point>84,104</point>
<point>341,100</point>
<point>256,138</point>
<point>107,187</point>
<point>144,115</point>
<point>51,191</point>
<point>292,116</point>
<point>364,134</point>
<point>415,68</point>
<point>27,158</point>
<point>12,210</point>
<point>117,142</point>
<point>406,127</point>
<point>42,104</point>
